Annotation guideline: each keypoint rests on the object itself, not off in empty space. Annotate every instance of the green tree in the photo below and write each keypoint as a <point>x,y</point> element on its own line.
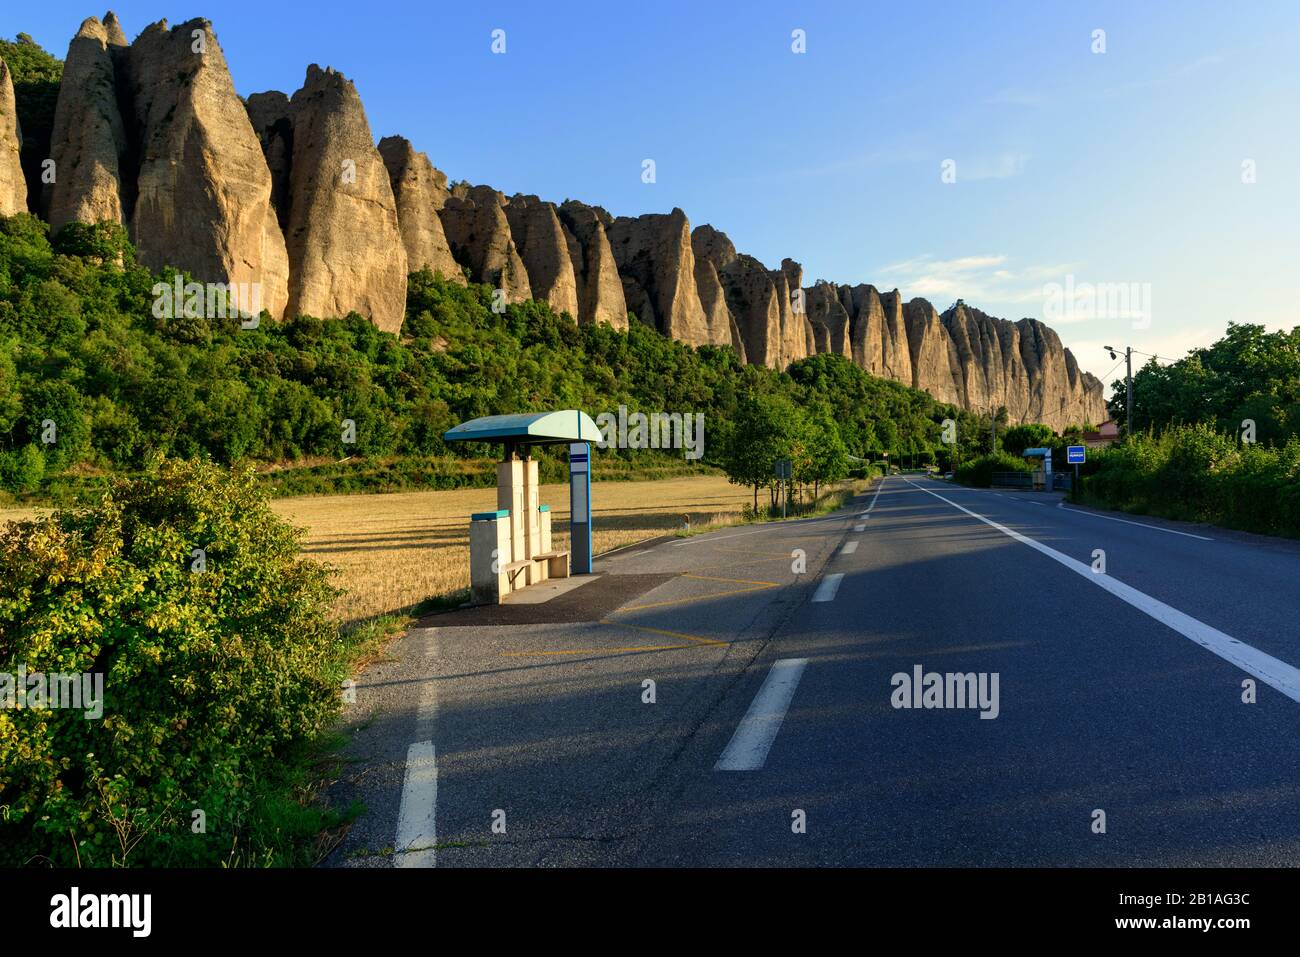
<point>1030,435</point>
<point>764,431</point>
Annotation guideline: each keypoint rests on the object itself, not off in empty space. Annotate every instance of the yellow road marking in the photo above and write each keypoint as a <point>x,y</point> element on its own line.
<point>594,651</point>
<point>735,564</point>
<point>682,601</point>
<point>664,631</point>
<point>695,642</point>
<point>753,586</point>
<point>737,581</point>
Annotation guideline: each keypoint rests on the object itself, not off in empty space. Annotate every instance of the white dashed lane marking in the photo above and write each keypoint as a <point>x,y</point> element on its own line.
<point>747,750</point>
<point>829,586</point>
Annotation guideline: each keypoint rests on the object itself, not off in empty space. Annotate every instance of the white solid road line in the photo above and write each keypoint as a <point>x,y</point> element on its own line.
<point>1272,671</point>
<point>879,486</point>
<point>417,833</point>
<point>747,750</point>
<point>849,548</point>
<point>1109,518</point>
<point>416,819</point>
<point>829,586</point>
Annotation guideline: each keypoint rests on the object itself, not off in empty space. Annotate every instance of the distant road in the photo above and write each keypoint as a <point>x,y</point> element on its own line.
<point>773,736</point>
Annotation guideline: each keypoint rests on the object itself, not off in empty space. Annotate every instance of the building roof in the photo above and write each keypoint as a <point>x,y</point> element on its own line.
<point>528,428</point>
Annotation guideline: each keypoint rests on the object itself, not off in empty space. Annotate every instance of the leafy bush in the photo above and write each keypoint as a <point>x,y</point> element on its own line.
<point>208,674</point>
<point>22,470</point>
<point>979,471</point>
<point>1194,473</point>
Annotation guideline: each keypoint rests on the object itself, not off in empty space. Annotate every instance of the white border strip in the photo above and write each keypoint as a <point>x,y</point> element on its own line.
<point>1272,671</point>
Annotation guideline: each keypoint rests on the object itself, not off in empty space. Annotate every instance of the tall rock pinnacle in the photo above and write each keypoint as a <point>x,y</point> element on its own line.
<point>13,188</point>
<point>345,247</point>
<point>89,140</point>
<point>420,191</point>
<point>204,191</point>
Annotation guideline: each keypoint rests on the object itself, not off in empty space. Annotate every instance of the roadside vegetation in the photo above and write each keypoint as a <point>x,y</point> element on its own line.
<point>81,350</point>
<point>221,669</point>
<point>1197,474</point>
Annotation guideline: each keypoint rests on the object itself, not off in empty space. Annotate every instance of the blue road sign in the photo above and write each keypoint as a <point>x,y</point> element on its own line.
<point>1077,454</point>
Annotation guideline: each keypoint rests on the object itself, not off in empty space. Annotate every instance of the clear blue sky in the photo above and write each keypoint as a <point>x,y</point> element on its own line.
<point>1122,167</point>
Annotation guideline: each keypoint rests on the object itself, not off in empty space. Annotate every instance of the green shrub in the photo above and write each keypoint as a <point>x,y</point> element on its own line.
<point>1194,473</point>
<point>979,472</point>
<point>209,675</point>
<point>22,471</point>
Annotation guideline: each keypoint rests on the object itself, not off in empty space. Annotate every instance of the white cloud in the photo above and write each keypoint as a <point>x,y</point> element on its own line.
<point>985,281</point>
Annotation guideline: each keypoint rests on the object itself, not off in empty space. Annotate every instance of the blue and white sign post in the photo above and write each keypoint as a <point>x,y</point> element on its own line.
<point>580,507</point>
<point>1076,455</point>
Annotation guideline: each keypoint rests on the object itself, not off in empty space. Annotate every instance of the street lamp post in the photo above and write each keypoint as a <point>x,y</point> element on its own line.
<point>1128,381</point>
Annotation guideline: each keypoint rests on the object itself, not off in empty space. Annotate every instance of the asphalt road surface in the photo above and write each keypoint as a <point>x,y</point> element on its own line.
<point>1123,691</point>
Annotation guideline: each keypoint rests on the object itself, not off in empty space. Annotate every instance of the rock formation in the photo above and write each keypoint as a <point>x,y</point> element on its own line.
<point>203,189</point>
<point>934,359</point>
<point>88,142</point>
<point>345,247</point>
<point>269,114</point>
<point>13,188</point>
<point>479,234</point>
<point>1023,366</point>
<point>657,266</point>
<point>713,252</point>
<point>115,35</point>
<point>544,249</point>
<point>293,194</point>
<point>756,304</point>
<point>420,191</point>
<point>795,331</point>
<point>600,292</point>
<point>829,319</point>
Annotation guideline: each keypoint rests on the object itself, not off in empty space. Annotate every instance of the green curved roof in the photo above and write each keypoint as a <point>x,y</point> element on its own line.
<point>529,428</point>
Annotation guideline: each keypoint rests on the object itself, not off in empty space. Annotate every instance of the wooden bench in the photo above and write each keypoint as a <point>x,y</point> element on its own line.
<point>557,565</point>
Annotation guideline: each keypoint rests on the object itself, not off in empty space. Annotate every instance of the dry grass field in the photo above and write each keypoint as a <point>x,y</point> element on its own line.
<point>393,550</point>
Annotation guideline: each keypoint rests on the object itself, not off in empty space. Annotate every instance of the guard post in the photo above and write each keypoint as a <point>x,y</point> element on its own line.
<point>580,507</point>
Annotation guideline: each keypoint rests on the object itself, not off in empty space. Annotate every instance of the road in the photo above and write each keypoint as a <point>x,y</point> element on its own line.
<point>1123,728</point>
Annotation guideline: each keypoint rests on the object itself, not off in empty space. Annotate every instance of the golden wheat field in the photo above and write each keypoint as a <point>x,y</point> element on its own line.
<point>390,551</point>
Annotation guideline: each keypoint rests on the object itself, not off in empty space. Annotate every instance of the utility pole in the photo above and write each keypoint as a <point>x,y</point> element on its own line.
<point>1128,382</point>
